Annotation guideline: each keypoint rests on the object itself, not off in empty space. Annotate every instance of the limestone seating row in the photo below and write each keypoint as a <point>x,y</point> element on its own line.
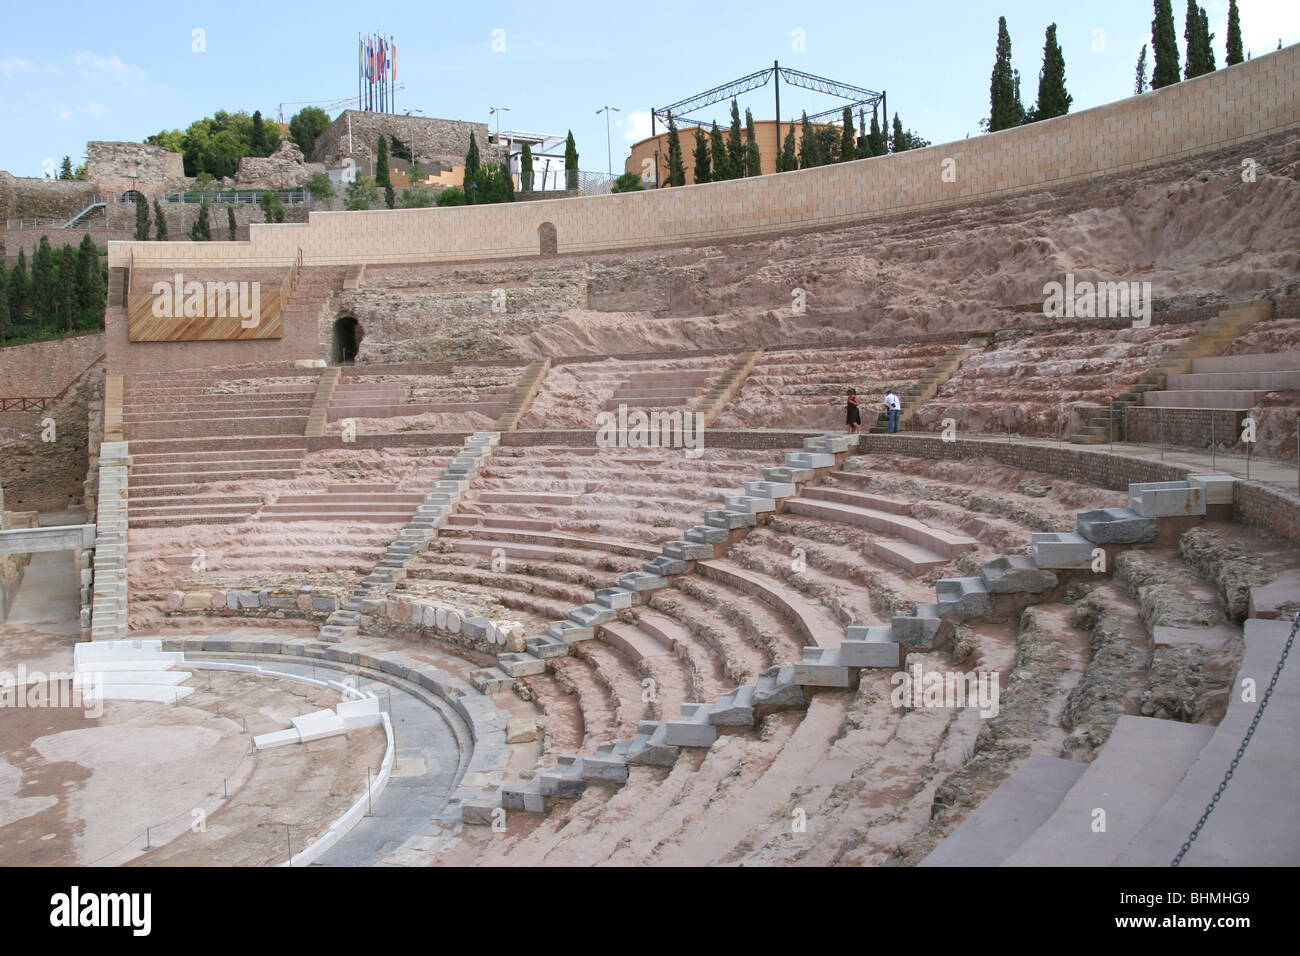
<point>304,600</point>
<point>659,742</point>
<point>380,503</point>
<point>369,597</point>
<point>107,615</point>
<point>487,724</point>
<point>916,394</point>
<point>1016,575</point>
<point>1211,339</point>
<point>702,542</point>
<point>1021,576</point>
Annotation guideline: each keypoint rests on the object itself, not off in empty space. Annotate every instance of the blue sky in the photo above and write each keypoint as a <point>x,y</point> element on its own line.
<point>123,71</point>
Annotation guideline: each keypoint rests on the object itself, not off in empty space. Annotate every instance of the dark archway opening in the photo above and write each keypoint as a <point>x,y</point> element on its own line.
<point>131,195</point>
<point>347,340</point>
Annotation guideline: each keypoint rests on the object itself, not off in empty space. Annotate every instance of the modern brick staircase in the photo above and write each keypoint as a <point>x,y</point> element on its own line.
<point>925,388</point>
<point>1106,424</point>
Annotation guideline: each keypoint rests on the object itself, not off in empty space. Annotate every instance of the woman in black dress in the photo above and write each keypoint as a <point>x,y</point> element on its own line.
<point>852,415</point>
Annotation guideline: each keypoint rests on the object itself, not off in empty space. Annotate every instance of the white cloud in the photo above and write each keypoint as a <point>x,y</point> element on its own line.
<point>107,69</point>
<point>16,64</point>
<point>97,109</point>
<point>62,113</point>
<point>635,125</point>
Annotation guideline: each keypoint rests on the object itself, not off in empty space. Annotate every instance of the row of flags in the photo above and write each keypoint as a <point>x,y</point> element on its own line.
<point>376,72</point>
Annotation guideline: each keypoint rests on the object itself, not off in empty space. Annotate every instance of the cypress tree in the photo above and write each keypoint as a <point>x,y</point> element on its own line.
<point>1207,44</point>
<point>160,221</point>
<point>389,196</point>
<point>877,138</point>
<point>381,162</point>
<point>1053,100</point>
<point>1192,34</point>
<point>808,157</point>
<point>788,159</point>
<point>1140,84</point>
<point>570,162</point>
<point>1164,46</point>
<point>702,159</point>
<point>19,290</point>
<point>1006,110</point>
<point>901,142</point>
<point>676,166</point>
<point>65,170</point>
<point>753,158</point>
<point>230,221</point>
<point>737,162</point>
<point>848,137</point>
<point>141,219</point>
<point>4,301</point>
<point>526,169</point>
<point>67,295</point>
<point>721,158</point>
<point>1234,34</point>
<point>43,281</point>
<point>90,287</point>
<point>472,163</point>
<point>201,231</point>
<point>257,144</point>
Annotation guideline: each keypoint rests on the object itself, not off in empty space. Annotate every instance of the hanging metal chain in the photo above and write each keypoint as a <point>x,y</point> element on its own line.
<point>1245,742</point>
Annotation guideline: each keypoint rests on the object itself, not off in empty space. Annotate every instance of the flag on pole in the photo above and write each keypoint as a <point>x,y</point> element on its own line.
<point>394,63</point>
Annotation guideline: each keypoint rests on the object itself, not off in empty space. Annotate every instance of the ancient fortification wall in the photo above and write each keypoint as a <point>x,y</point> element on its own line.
<point>433,138</point>
<point>1232,105</point>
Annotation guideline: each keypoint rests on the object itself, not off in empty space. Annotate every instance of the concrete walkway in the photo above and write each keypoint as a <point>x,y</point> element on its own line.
<point>432,748</point>
<point>1270,471</point>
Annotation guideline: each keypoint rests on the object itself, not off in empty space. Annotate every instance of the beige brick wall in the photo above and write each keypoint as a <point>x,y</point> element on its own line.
<point>1234,104</point>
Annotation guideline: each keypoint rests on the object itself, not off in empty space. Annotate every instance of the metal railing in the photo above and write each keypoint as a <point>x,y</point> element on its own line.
<point>236,197</point>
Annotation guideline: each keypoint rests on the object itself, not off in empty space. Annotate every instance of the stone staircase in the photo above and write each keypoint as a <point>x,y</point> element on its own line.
<point>319,414</point>
<point>729,385</point>
<point>1106,424</point>
<point>1154,779</point>
<point>917,393</point>
<point>526,389</point>
<point>1235,382</point>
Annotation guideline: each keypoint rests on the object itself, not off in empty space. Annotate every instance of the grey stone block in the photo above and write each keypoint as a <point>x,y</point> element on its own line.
<point>1166,499</point>
<point>521,665</point>
<point>1062,550</point>
<point>616,598</point>
<point>589,615</point>
<point>870,647</point>
<point>778,688</point>
<point>665,566</point>
<point>693,730</point>
<point>1116,526</point>
<point>1015,573</point>
<point>735,709</point>
<point>688,550</point>
<point>775,490</point>
<point>750,504</point>
<point>652,748</point>
<point>706,534</point>
<point>822,667</point>
<point>722,518</point>
<point>603,768</point>
<point>643,581</point>
<point>963,597</point>
<point>917,630</point>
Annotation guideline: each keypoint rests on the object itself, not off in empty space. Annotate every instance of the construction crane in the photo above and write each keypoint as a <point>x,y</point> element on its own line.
<point>328,107</point>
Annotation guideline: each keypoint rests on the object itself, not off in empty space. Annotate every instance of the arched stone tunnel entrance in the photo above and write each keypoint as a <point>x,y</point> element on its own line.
<point>347,340</point>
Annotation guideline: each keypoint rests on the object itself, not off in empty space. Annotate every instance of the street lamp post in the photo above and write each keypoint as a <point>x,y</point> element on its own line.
<point>497,111</point>
<point>412,143</point>
<point>609,150</point>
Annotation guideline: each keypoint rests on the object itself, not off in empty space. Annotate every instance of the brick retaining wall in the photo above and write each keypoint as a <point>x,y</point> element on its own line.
<point>1186,427</point>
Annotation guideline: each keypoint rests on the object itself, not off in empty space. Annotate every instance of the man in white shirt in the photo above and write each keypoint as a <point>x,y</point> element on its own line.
<point>894,407</point>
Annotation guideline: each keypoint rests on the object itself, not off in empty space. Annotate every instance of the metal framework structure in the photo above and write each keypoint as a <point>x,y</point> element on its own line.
<point>858,97</point>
